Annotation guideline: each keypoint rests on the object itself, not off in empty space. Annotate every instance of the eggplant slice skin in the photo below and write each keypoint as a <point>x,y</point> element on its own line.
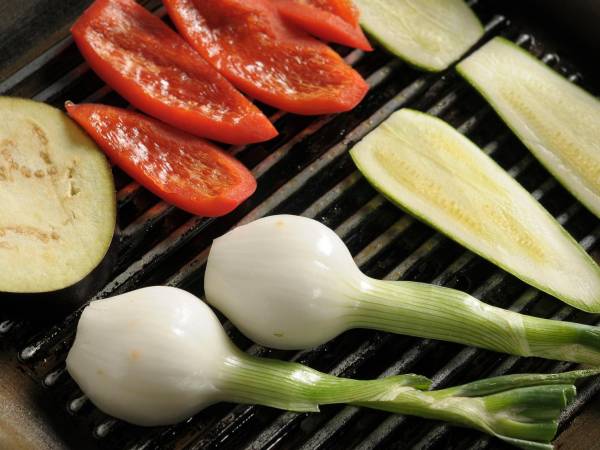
<point>425,166</point>
<point>429,34</point>
<point>556,120</point>
<point>58,199</point>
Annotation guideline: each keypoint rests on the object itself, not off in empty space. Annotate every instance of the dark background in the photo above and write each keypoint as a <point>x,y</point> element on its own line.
<point>28,27</point>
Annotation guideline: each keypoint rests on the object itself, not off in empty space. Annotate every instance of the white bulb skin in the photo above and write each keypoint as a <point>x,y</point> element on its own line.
<point>285,281</point>
<point>153,356</point>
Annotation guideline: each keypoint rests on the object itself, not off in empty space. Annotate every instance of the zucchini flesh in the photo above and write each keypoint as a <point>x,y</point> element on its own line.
<point>429,34</point>
<point>427,167</point>
<point>58,199</point>
<point>556,120</point>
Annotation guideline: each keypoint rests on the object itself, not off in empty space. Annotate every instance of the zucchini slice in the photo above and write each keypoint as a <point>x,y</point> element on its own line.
<point>556,120</point>
<point>58,199</point>
<point>429,34</point>
<point>427,167</point>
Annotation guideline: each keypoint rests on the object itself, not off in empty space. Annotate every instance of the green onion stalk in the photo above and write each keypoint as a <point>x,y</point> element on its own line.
<point>158,355</point>
<point>289,282</point>
<point>519,409</point>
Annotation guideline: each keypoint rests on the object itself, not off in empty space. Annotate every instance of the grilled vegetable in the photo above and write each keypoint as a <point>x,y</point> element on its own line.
<point>297,286</point>
<point>251,45</point>
<point>158,355</point>
<point>151,66</point>
<point>430,34</point>
<point>58,199</point>
<point>330,20</point>
<point>555,119</point>
<point>427,167</point>
<point>184,170</point>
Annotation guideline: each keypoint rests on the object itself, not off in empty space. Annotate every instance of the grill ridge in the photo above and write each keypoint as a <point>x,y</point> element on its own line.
<point>307,171</point>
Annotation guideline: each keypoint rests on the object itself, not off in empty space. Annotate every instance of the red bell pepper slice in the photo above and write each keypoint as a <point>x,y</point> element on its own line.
<point>184,170</point>
<point>330,20</point>
<point>249,43</point>
<point>151,66</point>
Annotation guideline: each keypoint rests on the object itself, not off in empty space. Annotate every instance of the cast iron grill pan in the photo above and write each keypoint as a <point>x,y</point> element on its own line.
<point>306,170</point>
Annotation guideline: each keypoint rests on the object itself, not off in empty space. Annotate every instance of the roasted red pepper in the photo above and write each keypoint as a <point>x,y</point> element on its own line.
<point>330,20</point>
<point>159,73</point>
<point>249,43</point>
<point>184,170</point>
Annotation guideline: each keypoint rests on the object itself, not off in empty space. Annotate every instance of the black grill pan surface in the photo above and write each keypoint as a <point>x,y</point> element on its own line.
<point>307,170</point>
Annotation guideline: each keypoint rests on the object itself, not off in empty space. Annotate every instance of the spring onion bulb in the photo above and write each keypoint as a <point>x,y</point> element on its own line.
<point>289,282</point>
<point>157,355</point>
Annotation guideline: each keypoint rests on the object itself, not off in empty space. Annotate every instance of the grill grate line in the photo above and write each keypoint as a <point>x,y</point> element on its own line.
<point>16,78</point>
<point>133,189</point>
<point>463,357</point>
<point>287,419</point>
<point>382,229</point>
<point>293,185</point>
<point>463,127</point>
<point>189,230</point>
<point>443,377</point>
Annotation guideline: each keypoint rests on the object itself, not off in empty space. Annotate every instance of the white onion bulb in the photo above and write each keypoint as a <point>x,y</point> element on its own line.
<point>290,282</point>
<point>158,355</point>
<point>285,281</point>
<point>152,356</point>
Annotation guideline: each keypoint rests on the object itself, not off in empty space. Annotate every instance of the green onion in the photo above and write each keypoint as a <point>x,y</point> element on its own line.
<point>158,355</point>
<point>290,282</point>
<point>425,310</point>
<point>519,409</point>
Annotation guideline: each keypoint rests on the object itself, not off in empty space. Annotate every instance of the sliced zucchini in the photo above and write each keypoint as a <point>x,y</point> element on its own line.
<point>58,199</point>
<point>427,167</point>
<point>556,120</point>
<point>430,34</point>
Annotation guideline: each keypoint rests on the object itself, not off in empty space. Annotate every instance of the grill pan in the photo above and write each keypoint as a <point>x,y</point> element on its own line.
<point>307,170</point>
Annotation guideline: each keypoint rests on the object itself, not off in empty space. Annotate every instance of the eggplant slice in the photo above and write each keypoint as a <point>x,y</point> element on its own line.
<point>57,196</point>
<point>429,34</point>
<point>556,120</point>
<point>427,167</point>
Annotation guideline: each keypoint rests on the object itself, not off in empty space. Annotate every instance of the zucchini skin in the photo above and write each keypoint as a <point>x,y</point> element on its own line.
<point>592,204</point>
<point>592,307</point>
<point>376,37</point>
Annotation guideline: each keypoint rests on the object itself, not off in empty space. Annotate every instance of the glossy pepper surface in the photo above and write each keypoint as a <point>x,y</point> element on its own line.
<point>184,170</point>
<point>263,56</point>
<point>330,20</point>
<point>152,67</point>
